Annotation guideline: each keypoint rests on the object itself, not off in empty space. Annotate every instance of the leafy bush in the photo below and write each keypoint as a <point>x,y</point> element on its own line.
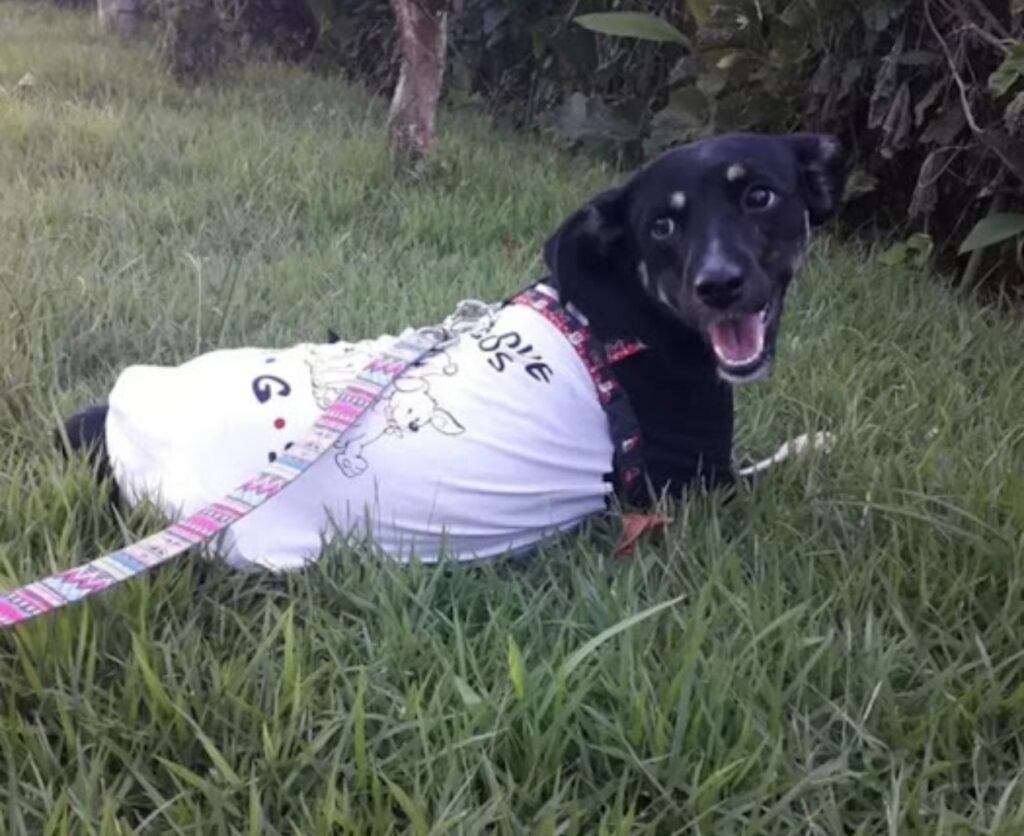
<point>928,94</point>
<point>191,36</point>
<point>194,36</point>
<point>359,36</point>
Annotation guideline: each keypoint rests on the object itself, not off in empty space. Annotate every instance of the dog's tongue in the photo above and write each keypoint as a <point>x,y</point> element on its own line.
<point>738,341</point>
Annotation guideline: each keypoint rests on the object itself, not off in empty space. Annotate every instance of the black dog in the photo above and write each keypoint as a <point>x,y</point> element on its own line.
<point>691,258</point>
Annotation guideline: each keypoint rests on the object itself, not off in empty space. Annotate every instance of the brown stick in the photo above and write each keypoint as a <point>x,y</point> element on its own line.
<point>421,27</point>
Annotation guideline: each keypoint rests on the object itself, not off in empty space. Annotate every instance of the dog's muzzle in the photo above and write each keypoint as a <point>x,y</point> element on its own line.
<point>738,314</point>
<point>739,342</point>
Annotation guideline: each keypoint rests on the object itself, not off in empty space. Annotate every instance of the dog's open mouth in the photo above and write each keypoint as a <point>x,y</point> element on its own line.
<point>740,343</point>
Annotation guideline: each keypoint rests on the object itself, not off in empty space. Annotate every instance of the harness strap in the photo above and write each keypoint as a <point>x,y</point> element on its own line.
<point>627,460</point>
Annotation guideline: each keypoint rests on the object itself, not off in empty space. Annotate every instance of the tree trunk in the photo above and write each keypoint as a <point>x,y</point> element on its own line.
<point>120,16</point>
<point>421,27</point>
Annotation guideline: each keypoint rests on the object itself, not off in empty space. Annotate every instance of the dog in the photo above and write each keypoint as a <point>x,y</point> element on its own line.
<point>610,377</point>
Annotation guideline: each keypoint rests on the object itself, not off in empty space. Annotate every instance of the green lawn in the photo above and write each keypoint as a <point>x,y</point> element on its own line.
<point>847,653</point>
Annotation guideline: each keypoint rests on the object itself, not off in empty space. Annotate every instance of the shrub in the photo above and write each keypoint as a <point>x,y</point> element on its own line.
<point>928,94</point>
<point>194,36</point>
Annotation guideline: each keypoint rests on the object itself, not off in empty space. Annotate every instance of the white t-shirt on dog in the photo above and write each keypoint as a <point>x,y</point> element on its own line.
<point>486,448</point>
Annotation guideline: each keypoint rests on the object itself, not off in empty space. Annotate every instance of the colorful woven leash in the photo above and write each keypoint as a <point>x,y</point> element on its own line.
<point>98,575</point>
<point>354,401</point>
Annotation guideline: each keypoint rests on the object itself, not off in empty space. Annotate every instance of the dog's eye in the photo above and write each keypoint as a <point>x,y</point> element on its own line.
<point>759,198</point>
<point>662,228</point>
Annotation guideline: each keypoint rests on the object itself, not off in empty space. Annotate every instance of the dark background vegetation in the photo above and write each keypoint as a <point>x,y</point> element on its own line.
<point>927,94</point>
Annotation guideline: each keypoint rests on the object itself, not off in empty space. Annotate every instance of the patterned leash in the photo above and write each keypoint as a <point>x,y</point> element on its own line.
<point>98,575</point>
<point>354,401</point>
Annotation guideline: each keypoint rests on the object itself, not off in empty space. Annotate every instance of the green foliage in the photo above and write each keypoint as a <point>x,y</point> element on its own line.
<point>1009,73</point>
<point>928,94</point>
<point>992,230</point>
<point>358,36</point>
<point>192,36</point>
<point>915,251</point>
<point>638,25</point>
<point>912,84</point>
<point>195,37</point>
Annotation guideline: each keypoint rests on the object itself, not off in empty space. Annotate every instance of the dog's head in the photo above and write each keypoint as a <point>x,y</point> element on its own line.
<point>708,236</point>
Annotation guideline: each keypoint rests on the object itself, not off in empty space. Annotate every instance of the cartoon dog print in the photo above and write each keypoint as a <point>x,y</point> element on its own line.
<point>409,409</point>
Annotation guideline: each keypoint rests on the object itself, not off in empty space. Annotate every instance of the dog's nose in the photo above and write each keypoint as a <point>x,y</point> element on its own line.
<point>720,286</point>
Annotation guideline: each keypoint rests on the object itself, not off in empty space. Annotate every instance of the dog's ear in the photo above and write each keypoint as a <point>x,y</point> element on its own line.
<point>588,240</point>
<point>822,164</point>
<point>445,423</point>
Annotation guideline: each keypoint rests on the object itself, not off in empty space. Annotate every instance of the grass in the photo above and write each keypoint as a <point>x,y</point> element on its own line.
<point>837,651</point>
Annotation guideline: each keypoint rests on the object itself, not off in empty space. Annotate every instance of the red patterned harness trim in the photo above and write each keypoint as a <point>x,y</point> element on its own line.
<point>622,350</point>
<point>628,467</point>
